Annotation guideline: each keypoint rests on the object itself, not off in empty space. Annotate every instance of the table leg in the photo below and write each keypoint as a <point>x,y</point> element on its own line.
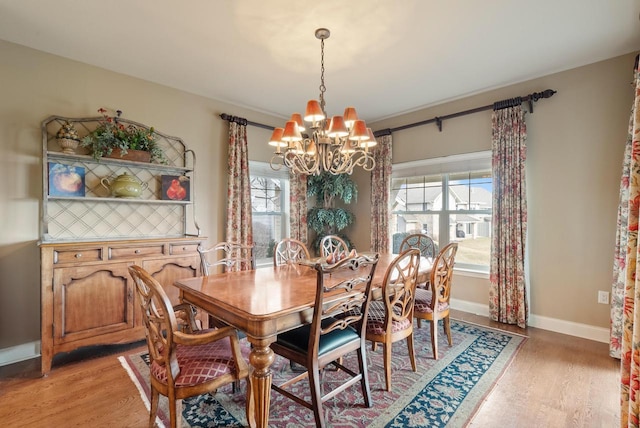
<point>259,390</point>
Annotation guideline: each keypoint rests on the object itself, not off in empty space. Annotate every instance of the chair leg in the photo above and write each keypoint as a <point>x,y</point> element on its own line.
<point>175,411</point>
<point>386,347</point>
<point>153,412</point>
<point>316,396</point>
<point>434,338</point>
<point>447,329</point>
<point>364,382</point>
<point>412,354</point>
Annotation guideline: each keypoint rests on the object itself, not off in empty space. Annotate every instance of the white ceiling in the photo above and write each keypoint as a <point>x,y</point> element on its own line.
<point>385,57</point>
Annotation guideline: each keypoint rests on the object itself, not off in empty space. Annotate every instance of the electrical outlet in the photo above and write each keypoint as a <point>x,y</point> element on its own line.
<point>603,297</point>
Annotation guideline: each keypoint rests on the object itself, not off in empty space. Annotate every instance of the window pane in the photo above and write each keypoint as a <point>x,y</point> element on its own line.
<point>474,248</point>
<point>406,224</point>
<point>266,194</point>
<point>470,191</point>
<point>267,230</point>
<point>452,207</point>
<point>268,206</point>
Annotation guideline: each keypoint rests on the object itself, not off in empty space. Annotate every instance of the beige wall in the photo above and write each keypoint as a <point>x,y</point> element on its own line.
<point>575,149</point>
<point>575,145</point>
<point>36,85</point>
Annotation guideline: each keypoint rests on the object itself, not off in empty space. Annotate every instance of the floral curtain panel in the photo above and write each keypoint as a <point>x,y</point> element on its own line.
<point>625,317</point>
<point>380,193</point>
<point>508,291</point>
<point>298,207</point>
<point>239,227</point>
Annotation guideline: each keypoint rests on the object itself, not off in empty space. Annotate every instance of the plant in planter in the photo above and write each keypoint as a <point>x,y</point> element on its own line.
<point>326,219</point>
<point>113,137</point>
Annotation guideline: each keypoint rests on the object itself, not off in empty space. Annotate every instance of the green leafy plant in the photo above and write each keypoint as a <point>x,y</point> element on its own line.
<point>325,218</point>
<point>112,134</point>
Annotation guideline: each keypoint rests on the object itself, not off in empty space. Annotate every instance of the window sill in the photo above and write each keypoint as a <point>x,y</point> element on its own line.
<point>471,273</point>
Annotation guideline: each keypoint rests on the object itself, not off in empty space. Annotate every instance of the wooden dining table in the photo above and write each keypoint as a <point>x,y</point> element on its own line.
<point>263,303</point>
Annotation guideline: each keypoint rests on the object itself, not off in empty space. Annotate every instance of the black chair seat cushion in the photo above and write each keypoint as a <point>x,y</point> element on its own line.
<point>298,339</point>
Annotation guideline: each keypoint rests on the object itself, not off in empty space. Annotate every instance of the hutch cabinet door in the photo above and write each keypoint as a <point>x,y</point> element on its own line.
<point>167,271</point>
<point>90,301</point>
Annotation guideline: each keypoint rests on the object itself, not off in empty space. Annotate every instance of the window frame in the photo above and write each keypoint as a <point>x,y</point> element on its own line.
<point>445,167</point>
<point>262,169</point>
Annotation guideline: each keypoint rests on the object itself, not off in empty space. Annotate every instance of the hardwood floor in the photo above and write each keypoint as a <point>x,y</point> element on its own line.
<point>554,381</point>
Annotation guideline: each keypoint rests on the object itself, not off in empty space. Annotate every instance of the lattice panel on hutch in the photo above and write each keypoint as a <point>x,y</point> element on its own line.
<point>97,215</point>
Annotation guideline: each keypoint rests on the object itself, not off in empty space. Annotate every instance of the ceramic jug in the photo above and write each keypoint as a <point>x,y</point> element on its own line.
<point>124,186</point>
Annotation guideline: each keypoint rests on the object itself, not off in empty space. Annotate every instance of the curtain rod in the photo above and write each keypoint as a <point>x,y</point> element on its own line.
<point>243,121</point>
<point>498,105</point>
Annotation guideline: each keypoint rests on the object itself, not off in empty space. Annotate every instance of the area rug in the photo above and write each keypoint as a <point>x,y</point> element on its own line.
<point>442,393</point>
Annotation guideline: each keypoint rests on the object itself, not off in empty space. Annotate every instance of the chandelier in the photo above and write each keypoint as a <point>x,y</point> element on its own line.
<point>335,145</point>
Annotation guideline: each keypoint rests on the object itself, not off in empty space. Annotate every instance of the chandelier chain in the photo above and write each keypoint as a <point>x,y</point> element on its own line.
<point>323,88</point>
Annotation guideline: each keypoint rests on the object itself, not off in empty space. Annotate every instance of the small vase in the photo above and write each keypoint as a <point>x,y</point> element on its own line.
<point>68,145</point>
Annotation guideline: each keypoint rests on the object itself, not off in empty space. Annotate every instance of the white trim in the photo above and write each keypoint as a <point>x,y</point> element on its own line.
<point>263,169</point>
<point>471,273</point>
<point>570,328</point>
<point>467,162</point>
<point>15,354</point>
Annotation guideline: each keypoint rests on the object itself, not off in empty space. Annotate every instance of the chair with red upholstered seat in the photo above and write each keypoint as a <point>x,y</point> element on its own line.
<point>391,319</point>
<point>427,307</point>
<point>183,365</point>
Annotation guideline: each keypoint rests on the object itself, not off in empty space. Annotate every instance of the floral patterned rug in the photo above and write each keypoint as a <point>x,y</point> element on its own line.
<point>442,393</point>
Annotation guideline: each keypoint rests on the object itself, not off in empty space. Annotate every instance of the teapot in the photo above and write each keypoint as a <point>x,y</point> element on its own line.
<point>124,186</point>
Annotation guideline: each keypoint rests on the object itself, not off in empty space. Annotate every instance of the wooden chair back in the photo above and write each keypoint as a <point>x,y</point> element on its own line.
<point>213,357</point>
<point>289,251</point>
<point>391,319</point>
<point>333,244</point>
<point>423,242</point>
<point>343,293</point>
<point>230,256</point>
<point>433,304</point>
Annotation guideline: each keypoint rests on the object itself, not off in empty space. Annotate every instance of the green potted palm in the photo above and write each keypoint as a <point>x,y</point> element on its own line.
<point>112,138</point>
<point>326,218</point>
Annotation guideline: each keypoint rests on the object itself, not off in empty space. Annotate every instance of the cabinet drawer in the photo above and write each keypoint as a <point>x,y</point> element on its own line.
<point>183,248</point>
<point>77,255</point>
<point>138,251</point>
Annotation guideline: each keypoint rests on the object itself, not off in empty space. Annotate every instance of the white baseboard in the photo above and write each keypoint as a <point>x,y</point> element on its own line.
<point>571,328</point>
<point>15,354</point>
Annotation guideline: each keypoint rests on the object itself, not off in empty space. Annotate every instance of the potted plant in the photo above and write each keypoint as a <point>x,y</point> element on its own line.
<point>113,139</point>
<point>325,218</point>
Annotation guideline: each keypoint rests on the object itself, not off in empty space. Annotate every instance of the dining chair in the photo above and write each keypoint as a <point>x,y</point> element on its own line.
<point>333,244</point>
<point>432,304</point>
<point>423,242</point>
<point>426,245</point>
<point>334,332</point>
<point>183,365</point>
<point>289,251</point>
<point>231,256</point>
<point>391,319</point>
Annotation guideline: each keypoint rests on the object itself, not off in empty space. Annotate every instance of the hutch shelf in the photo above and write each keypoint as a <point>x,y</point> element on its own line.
<point>89,239</point>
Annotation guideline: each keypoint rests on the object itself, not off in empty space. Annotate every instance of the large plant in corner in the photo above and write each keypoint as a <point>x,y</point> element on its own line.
<point>325,218</point>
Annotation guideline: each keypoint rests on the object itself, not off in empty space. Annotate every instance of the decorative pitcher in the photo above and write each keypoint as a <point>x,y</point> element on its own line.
<point>124,186</point>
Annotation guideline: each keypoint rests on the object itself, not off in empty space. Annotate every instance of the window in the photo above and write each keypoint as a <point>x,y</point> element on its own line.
<point>450,200</point>
<point>270,209</point>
